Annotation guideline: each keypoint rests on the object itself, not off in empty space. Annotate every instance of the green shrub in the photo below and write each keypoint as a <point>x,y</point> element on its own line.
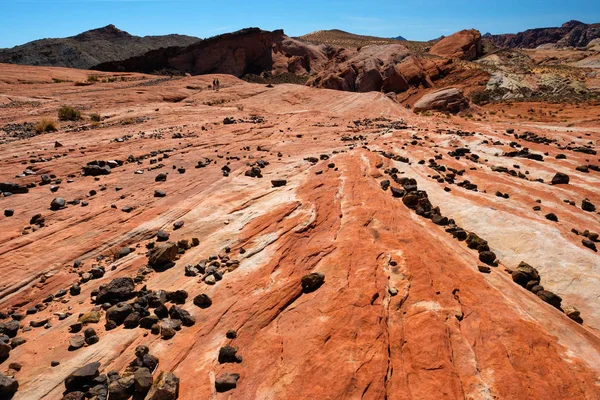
<point>66,113</point>
<point>45,125</point>
<point>95,117</point>
<point>92,78</point>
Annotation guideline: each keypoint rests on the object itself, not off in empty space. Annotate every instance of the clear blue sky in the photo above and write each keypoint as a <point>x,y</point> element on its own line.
<point>24,20</point>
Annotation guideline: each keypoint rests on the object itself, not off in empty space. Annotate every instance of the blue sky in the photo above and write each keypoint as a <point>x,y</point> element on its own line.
<point>24,20</point>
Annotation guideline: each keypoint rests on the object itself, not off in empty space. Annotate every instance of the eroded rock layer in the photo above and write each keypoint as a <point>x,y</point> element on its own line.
<point>292,242</point>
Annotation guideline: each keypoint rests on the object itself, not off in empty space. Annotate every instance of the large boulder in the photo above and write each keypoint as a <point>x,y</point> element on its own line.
<point>118,313</point>
<point>9,328</point>
<point>465,45</point>
<point>525,273</point>
<point>96,170</point>
<point>560,179</point>
<point>81,377</point>
<point>312,282</point>
<point>8,386</point>
<point>226,382</point>
<point>14,188</point>
<point>448,99</point>
<point>162,255</point>
<point>119,289</point>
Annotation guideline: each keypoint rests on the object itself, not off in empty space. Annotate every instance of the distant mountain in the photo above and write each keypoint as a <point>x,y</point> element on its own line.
<point>400,38</point>
<point>89,48</point>
<point>570,34</point>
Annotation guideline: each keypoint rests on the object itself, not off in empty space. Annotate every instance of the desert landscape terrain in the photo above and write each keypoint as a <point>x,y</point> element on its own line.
<point>414,221</point>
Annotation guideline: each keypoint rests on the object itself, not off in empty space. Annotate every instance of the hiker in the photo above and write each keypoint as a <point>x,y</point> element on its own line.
<point>218,86</point>
<point>214,85</point>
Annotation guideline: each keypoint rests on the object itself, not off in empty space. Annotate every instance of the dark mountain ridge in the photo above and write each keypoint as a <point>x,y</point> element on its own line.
<point>89,48</point>
<point>570,34</point>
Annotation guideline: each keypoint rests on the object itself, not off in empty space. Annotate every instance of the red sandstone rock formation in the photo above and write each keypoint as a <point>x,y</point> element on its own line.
<point>465,45</point>
<point>403,311</point>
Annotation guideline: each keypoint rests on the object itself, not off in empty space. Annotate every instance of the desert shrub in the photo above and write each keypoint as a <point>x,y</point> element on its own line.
<point>481,98</point>
<point>45,125</point>
<point>95,117</point>
<point>66,113</point>
<point>92,78</point>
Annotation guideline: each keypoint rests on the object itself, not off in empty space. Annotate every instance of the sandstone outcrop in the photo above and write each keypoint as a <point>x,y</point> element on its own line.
<point>465,45</point>
<point>450,99</point>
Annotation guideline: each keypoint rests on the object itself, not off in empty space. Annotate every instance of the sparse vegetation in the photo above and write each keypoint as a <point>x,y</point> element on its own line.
<point>67,113</point>
<point>348,40</point>
<point>45,125</point>
<point>95,117</point>
<point>93,78</point>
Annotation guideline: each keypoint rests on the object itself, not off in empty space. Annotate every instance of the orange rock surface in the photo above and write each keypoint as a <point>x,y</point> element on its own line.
<point>404,312</point>
<point>465,44</point>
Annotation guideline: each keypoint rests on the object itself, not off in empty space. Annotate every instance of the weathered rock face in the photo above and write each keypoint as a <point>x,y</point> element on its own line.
<point>387,68</point>
<point>238,53</point>
<point>465,45</point>
<point>450,100</point>
<point>572,33</point>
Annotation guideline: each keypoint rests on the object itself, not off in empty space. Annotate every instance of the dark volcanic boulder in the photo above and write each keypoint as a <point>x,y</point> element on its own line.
<point>82,377</point>
<point>9,328</point>
<point>487,257</point>
<point>13,188</point>
<point>96,170</point>
<point>226,382</point>
<point>550,298</point>
<point>560,179</point>
<point>202,301</point>
<point>228,354</point>
<point>474,241</point>
<point>525,273</point>
<point>119,289</point>
<point>8,386</point>
<point>119,312</point>
<point>162,255</point>
<point>183,315</point>
<point>312,282</point>
<point>57,204</point>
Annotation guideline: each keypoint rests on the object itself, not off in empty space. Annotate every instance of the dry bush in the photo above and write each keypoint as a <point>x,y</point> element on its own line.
<point>66,113</point>
<point>45,125</point>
